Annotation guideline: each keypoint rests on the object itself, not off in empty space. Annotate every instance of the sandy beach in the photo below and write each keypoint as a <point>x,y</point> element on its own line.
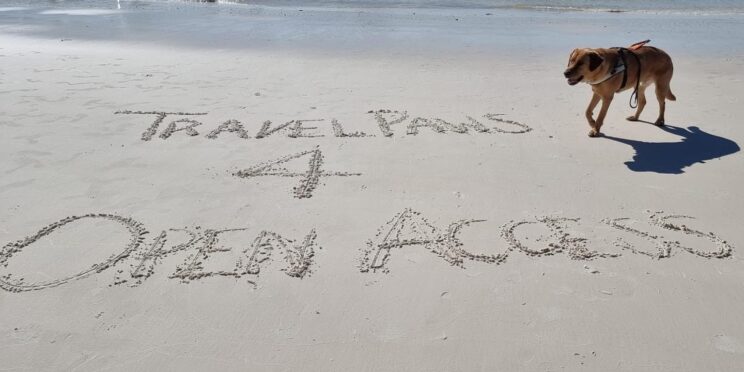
<point>281,188</point>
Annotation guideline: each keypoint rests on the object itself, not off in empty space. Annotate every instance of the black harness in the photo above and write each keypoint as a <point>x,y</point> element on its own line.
<point>634,96</point>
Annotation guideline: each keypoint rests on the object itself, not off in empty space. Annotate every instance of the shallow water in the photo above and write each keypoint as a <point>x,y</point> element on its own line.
<point>670,6</point>
<point>689,7</point>
<point>464,28</point>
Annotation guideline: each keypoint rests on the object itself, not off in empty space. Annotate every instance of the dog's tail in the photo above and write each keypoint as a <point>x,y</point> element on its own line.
<point>670,96</point>
<point>639,44</point>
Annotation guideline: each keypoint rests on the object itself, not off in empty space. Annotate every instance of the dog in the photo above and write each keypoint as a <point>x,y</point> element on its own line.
<point>613,70</point>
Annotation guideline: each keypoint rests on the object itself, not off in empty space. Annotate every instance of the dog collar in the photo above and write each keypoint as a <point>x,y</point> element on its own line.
<point>618,68</point>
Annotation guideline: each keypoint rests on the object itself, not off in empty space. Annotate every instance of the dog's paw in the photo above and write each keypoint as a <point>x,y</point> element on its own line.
<point>632,118</point>
<point>659,122</point>
<point>593,133</point>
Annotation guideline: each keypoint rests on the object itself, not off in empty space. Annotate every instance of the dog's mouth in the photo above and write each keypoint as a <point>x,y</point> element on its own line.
<point>576,80</point>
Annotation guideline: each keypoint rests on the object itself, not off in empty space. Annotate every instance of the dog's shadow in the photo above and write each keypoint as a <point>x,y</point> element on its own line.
<point>696,146</point>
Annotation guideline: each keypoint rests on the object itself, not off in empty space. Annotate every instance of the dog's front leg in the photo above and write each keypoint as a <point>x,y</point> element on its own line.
<point>606,100</point>
<point>590,110</point>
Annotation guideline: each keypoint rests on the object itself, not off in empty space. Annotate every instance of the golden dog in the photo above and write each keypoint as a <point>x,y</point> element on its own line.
<point>614,70</point>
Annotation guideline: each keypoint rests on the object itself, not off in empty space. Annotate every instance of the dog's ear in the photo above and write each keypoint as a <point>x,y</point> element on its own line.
<point>573,54</point>
<point>594,61</point>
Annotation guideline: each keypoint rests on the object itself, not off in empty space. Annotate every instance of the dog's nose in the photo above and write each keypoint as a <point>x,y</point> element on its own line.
<point>566,73</point>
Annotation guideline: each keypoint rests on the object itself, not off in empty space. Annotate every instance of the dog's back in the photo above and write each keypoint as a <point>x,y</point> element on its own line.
<point>657,68</point>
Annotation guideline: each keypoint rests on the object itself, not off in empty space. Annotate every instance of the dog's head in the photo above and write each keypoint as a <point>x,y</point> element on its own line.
<point>583,65</point>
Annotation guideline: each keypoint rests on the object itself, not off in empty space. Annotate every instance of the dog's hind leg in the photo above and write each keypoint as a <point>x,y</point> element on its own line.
<point>663,92</point>
<point>602,113</point>
<point>641,103</point>
<point>590,111</point>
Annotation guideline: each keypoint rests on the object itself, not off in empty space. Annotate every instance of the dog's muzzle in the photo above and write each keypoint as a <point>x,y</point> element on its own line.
<point>576,80</point>
<point>572,80</point>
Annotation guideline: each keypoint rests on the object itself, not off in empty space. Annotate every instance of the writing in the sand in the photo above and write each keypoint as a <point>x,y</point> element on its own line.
<point>308,179</point>
<point>166,125</point>
<point>387,122</point>
<point>246,253</point>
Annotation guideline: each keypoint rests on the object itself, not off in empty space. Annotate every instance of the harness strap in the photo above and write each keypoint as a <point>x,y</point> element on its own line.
<point>618,68</point>
<point>625,71</point>
<point>634,96</point>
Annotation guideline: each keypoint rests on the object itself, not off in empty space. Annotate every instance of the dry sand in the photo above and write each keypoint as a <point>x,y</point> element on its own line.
<point>200,208</point>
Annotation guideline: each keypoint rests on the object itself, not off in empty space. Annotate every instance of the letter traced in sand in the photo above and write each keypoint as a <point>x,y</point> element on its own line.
<point>723,248</point>
<point>146,260</point>
<point>523,128</point>
<point>559,240</point>
<point>153,128</point>
<point>338,131</point>
<point>385,122</point>
<point>299,257</point>
<point>665,248</point>
<point>308,180</point>
<point>7,282</point>
<point>231,126</point>
<point>173,127</point>
<point>409,228</point>
<point>298,130</point>
<point>266,129</point>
